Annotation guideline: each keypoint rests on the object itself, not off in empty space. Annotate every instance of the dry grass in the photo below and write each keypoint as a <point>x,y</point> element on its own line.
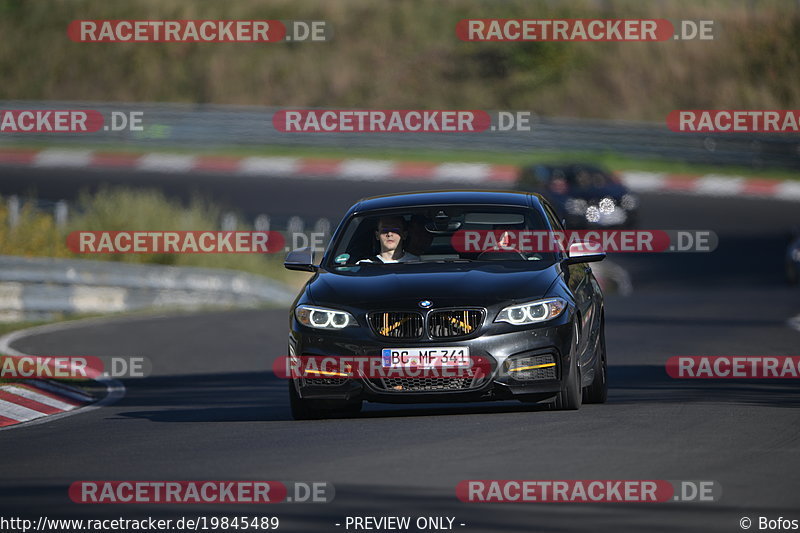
<point>405,54</point>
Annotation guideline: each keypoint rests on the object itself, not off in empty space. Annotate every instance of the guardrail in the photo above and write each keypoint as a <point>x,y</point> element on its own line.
<point>210,126</point>
<point>34,288</point>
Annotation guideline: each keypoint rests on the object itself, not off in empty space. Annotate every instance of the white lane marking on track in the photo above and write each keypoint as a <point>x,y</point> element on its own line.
<point>166,162</point>
<point>788,190</point>
<point>473,172</point>
<point>37,397</point>
<point>366,169</point>
<point>62,158</point>
<point>644,181</point>
<point>716,185</point>
<point>268,165</point>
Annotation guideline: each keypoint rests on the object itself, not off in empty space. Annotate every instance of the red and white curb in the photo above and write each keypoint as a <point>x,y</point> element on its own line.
<point>36,401</point>
<point>383,170</point>
<point>713,185</point>
<point>23,402</point>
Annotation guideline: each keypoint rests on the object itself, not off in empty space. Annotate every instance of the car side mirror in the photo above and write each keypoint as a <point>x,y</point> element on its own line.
<point>583,252</point>
<point>302,260</point>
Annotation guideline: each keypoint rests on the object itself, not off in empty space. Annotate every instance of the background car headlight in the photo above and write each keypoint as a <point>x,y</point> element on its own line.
<point>629,202</point>
<point>607,205</point>
<point>532,312</point>
<point>322,318</point>
<point>575,206</point>
<point>592,213</point>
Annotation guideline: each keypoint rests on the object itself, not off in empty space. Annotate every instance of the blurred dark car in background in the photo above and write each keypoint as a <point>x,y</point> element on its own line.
<point>793,259</point>
<point>584,196</point>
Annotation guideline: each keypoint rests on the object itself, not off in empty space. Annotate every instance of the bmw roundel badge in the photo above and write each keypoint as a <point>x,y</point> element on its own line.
<point>425,304</point>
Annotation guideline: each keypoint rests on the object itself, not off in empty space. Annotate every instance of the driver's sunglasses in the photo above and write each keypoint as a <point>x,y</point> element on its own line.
<point>390,230</point>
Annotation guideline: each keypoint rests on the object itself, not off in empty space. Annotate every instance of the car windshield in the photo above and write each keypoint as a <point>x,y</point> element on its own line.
<point>588,178</point>
<point>435,235</point>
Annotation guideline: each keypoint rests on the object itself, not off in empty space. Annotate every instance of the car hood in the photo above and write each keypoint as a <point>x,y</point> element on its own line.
<point>404,286</point>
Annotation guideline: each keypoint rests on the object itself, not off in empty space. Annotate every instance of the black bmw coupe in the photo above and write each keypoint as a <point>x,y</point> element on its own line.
<point>414,316</point>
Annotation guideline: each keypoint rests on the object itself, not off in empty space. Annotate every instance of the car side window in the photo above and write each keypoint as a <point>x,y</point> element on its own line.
<point>551,216</point>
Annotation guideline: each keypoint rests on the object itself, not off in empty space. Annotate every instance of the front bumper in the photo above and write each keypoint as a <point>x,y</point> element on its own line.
<point>503,350</point>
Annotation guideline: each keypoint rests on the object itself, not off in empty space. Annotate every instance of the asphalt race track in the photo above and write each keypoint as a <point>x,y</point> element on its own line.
<point>214,410</point>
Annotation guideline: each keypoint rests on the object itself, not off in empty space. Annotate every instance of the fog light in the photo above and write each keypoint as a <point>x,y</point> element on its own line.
<point>532,368</point>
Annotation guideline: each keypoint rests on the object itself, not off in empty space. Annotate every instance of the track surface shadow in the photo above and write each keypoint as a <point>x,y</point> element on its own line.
<point>260,396</point>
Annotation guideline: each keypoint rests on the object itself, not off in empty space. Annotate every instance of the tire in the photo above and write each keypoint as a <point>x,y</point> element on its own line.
<point>597,392</point>
<point>571,395</point>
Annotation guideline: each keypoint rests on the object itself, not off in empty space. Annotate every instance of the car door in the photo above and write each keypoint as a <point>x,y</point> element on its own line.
<point>578,278</point>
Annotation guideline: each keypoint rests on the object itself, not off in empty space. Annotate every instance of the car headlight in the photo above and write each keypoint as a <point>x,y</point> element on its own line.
<point>607,205</point>
<point>629,202</point>
<point>532,312</point>
<point>575,206</point>
<point>322,318</point>
<point>592,213</point>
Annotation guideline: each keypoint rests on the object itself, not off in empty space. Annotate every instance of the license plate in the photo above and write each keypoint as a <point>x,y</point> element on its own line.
<point>425,357</point>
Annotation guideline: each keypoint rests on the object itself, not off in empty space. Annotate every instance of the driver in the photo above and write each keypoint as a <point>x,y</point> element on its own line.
<point>391,233</point>
<point>505,239</point>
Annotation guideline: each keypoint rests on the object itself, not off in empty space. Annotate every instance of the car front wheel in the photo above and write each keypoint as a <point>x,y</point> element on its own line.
<point>571,395</point>
<point>597,392</point>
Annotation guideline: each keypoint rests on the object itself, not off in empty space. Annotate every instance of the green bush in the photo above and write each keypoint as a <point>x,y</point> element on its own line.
<point>121,209</point>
